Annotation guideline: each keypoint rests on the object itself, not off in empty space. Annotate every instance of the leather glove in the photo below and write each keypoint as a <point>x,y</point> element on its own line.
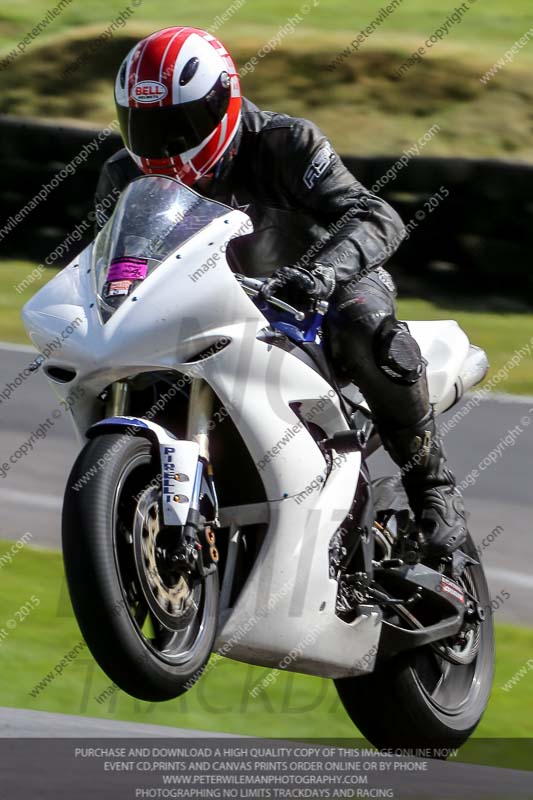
<point>318,282</point>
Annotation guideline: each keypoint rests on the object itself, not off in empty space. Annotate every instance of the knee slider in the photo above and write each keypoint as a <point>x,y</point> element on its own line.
<point>397,353</point>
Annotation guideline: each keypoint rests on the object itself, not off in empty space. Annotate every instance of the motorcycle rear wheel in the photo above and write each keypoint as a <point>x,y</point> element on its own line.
<point>418,699</point>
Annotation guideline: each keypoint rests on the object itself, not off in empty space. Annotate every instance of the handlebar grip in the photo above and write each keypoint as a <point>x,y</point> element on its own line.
<point>252,286</point>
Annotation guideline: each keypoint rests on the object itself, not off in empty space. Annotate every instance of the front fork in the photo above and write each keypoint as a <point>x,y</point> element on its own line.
<point>118,402</point>
<point>201,403</point>
<point>197,550</point>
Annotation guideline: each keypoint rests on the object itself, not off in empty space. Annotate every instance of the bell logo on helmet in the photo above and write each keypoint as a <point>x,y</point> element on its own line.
<point>148,92</point>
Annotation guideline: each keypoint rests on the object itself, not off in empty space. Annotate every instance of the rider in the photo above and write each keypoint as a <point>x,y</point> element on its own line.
<point>316,228</point>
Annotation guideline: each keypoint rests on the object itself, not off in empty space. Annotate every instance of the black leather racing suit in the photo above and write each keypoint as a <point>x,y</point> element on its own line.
<point>306,208</point>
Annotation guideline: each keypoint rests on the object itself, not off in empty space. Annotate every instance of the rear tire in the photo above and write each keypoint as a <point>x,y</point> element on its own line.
<point>153,656</point>
<point>402,704</point>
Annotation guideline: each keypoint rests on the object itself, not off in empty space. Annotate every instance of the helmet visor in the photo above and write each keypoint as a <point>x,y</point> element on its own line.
<point>163,132</point>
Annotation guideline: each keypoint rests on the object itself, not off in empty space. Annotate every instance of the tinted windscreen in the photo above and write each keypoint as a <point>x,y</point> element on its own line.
<point>154,216</point>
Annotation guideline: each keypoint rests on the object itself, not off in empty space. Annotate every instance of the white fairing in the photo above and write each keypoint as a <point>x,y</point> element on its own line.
<point>453,364</point>
<point>288,603</point>
<point>445,347</point>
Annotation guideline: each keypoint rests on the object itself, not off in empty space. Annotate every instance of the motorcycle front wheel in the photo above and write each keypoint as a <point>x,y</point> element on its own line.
<point>149,626</point>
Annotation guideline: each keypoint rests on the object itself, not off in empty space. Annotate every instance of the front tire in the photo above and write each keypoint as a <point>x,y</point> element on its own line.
<point>149,629</point>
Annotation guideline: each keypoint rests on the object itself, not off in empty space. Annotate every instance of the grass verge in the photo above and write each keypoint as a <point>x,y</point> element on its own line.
<point>360,103</point>
<point>489,24</point>
<point>11,301</point>
<point>499,334</point>
<point>292,706</point>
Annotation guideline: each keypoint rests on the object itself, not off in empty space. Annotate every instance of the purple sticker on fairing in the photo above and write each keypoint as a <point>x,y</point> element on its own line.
<point>127,269</point>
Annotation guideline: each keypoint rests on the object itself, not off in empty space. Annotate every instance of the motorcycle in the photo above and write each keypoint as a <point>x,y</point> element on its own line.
<point>222,500</point>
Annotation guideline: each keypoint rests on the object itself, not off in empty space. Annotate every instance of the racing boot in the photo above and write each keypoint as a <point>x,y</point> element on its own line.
<point>430,486</point>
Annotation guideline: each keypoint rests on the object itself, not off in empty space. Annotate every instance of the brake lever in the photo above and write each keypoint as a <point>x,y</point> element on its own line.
<point>252,287</point>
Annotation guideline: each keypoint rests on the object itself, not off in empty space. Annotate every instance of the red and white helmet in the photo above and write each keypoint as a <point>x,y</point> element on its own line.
<point>178,99</point>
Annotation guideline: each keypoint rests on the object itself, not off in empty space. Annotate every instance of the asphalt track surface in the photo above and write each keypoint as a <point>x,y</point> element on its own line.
<point>22,723</point>
<point>500,502</point>
<point>37,752</point>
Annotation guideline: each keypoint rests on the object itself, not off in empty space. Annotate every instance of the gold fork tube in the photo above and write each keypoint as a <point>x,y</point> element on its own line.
<point>118,403</point>
<point>201,403</point>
